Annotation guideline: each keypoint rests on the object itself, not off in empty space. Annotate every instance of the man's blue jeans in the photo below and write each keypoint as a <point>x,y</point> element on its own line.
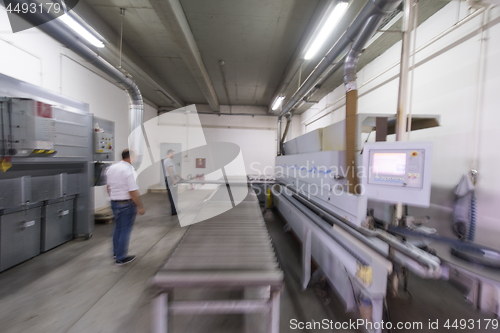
<point>124,213</point>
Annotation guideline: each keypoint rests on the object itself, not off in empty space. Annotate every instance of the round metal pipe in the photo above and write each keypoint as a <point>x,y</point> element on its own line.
<point>373,7</point>
<point>404,71</point>
<point>60,32</point>
<point>352,57</point>
<point>278,132</point>
<point>351,119</point>
<point>287,127</point>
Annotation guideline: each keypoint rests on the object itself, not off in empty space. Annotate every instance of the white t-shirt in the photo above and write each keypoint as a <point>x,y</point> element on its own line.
<point>121,180</point>
<point>169,163</point>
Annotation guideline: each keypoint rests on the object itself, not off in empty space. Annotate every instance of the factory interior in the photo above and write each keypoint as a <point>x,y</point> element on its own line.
<point>295,166</point>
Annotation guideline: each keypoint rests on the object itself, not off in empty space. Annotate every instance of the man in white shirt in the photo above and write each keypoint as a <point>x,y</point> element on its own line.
<point>171,179</point>
<point>125,202</point>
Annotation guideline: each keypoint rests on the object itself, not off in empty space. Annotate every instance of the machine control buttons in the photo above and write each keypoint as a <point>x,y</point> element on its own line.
<point>103,142</point>
<point>389,179</point>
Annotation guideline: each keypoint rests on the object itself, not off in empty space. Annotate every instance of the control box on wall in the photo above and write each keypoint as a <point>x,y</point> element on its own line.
<point>104,139</point>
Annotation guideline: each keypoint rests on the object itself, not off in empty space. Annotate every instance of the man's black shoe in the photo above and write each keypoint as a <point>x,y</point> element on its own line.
<point>125,261</point>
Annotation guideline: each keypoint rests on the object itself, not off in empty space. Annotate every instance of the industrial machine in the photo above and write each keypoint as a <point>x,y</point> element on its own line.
<point>335,226</point>
<point>358,251</point>
<point>398,172</point>
<point>104,143</point>
<point>46,170</point>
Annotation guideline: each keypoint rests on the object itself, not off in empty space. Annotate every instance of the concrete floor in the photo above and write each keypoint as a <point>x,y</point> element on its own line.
<point>76,287</point>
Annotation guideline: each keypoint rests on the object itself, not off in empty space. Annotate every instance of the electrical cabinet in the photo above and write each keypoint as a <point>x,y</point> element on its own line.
<point>104,139</point>
<point>103,143</point>
<point>57,223</point>
<point>19,236</point>
<point>46,155</point>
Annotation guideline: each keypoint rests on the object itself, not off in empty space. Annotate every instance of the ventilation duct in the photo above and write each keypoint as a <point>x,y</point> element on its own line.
<point>352,98</point>
<point>57,30</point>
<point>372,8</point>
<point>358,34</point>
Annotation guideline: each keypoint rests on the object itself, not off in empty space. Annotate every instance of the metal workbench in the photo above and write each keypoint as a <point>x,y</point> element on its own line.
<point>232,250</point>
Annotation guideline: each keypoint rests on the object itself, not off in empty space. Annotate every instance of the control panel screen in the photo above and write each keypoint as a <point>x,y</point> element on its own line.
<point>397,172</point>
<point>396,167</point>
<point>389,164</point>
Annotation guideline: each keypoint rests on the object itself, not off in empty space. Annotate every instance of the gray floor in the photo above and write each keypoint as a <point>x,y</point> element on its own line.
<point>76,287</point>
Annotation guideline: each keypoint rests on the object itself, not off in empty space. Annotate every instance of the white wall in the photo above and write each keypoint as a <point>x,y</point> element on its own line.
<point>34,57</point>
<point>256,136</point>
<point>446,83</point>
<point>252,130</point>
<point>257,147</point>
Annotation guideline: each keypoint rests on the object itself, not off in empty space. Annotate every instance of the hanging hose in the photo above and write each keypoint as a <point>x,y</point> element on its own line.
<point>472,226</point>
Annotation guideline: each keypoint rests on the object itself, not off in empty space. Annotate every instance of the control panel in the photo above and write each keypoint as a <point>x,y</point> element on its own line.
<point>103,142</point>
<point>398,172</point>
<point>396,167</point>
<point>104,139</point>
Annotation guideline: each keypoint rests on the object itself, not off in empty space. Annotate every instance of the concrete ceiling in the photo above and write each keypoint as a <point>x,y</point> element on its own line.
<point>255,39</point>
<point>261,43</point>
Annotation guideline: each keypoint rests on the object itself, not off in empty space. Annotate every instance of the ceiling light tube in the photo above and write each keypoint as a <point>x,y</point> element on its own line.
<point>277,102</point>
<point>327,29</point>
<point>70,22</point>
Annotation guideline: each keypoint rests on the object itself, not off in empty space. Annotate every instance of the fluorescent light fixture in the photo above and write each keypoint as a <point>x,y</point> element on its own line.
<point>327,29</point>
<point>70,22</point>
<point>277,102</point>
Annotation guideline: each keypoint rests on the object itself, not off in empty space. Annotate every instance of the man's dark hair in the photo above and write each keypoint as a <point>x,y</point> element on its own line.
<point>125,154</point>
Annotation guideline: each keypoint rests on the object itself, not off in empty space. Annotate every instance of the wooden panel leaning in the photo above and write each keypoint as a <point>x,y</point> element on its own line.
<point>230,251</point>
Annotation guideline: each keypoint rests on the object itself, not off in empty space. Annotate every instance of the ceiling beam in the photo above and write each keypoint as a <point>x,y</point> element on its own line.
<point>174,20</point>
<point>131,58</point>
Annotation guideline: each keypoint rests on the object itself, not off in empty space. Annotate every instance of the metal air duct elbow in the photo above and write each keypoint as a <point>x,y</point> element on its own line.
<point>378,8</point>
<point>57,30</point>
<point>351,62</point>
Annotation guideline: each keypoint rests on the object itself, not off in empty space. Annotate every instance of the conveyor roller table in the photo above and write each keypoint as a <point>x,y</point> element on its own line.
<point>232,250</point>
